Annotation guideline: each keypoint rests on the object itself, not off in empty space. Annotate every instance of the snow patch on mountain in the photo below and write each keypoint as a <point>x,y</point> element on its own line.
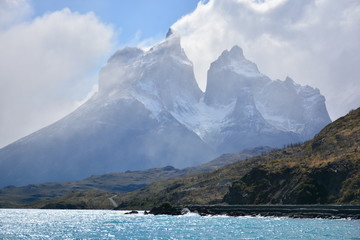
<point>204,119</point>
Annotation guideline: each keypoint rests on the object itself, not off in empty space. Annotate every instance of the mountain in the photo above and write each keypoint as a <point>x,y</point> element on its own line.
<point>125,126</point>
<point>149,112</point>
<point>323,170</point>
<point>264,112</point>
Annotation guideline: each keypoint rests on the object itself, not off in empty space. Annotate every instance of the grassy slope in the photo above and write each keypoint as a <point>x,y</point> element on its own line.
<point>203,188</point>
<point>113,182</point>
<point>323,170</point>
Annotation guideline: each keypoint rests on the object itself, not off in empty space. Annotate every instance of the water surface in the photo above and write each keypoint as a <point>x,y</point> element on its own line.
<point>102,224</point>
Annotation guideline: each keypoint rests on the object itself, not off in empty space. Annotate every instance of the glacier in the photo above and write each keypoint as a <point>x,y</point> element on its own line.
<point>149,112</point>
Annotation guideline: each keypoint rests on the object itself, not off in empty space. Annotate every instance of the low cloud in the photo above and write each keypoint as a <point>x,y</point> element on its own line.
<point>313,41</point>
<point>54,57</point>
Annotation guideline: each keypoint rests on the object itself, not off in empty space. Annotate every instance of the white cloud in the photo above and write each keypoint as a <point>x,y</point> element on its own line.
<point>93,91</point>
<point>316,42</point>
<point>46,65</point>
<point>13,11</point>
<point>143,43</point>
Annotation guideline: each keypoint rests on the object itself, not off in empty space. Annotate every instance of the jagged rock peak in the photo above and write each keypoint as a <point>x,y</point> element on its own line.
<point>169,33</point>
<point>172,34</point>
<point>230,73</point>
<point>163,74</point>
<point>171,44</point>
<point>236,51</point>
<point>289,79</point>
<point>235,61</point>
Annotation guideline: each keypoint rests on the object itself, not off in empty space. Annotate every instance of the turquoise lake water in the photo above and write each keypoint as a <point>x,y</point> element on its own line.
<point>98,224</point>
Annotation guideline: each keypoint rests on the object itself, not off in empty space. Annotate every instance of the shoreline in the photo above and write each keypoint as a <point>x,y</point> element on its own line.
<point>351,212</point>
<point>291,211</point>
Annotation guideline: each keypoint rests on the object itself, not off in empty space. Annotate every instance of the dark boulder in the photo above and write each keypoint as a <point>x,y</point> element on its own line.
<point>165,209</point>
<point>132,212</point>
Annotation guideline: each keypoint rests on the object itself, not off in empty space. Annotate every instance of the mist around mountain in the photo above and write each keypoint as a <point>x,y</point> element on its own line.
<point>149,112</point>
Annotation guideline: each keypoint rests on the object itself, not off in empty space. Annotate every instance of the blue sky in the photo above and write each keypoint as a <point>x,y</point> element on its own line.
<point>133,20</point>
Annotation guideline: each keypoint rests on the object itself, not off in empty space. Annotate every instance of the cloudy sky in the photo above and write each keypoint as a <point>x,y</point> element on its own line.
<point>51,51</point>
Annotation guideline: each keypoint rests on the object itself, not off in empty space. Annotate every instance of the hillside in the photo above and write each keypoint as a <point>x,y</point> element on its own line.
<point>201,188</point>
<point>12,196</point>
<point>323,170</point>
<point>107,184</point>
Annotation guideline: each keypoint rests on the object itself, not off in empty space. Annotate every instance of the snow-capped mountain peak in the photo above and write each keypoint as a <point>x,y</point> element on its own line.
<point>229,74</point>
<point>159,77</point>
<point>235,61</point>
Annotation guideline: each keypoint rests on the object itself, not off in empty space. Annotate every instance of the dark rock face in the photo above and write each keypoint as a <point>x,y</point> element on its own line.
<point>290,186</point>
<point>132,212</point>
<point>293,211</point>
<point>165,209</point>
